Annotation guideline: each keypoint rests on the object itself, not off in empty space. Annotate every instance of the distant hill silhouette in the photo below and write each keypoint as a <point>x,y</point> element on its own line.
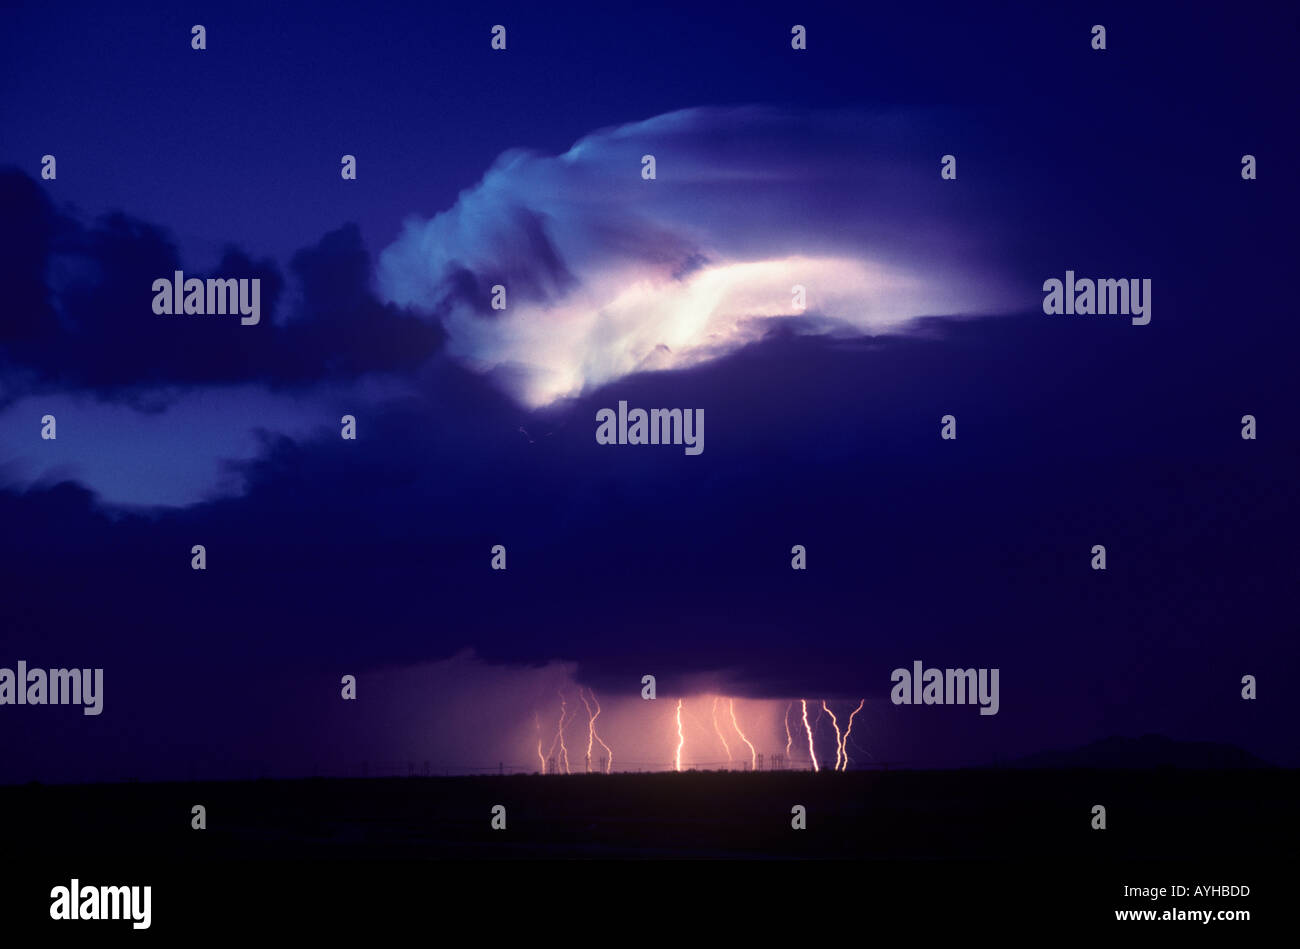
<point>1149,751</point>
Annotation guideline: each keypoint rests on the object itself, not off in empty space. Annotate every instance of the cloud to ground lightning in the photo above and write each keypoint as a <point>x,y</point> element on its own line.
<point>465,716</point>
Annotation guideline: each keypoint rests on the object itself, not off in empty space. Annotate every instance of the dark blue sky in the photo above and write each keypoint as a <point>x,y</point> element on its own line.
<point>328,556</point>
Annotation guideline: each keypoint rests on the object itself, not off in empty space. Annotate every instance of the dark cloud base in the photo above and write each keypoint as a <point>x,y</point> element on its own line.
<point>79,310</point>
<point>346,556</point>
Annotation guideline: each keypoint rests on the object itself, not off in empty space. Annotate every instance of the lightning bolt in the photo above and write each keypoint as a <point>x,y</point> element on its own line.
<point>592,733</point>
<point>591,726</point>
<point>550,755</point>
<point>806,727</point>
<point>538,725</point>
<point>848,730</point>
<point>681,737</point>
<point>719,730</point>
<point>559,738</point>
<point>564,749</point>
<point>839,742</point>
<point>753,755</point>
<point>789,739</point>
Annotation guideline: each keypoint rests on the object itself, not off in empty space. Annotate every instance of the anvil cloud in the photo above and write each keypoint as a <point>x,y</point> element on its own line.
<point>608,273</point>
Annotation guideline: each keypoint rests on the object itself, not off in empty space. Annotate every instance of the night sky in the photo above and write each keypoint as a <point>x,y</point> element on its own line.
<point>475,427</point>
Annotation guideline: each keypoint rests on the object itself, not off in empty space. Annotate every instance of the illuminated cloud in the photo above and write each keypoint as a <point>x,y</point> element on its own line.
<point>608,274</point>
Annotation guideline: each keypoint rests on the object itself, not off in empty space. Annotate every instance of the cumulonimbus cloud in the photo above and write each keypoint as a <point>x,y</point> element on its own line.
<point>608,273</point>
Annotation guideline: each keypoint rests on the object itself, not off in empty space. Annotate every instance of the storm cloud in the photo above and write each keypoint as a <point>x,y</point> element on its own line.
<point>607,272</point>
